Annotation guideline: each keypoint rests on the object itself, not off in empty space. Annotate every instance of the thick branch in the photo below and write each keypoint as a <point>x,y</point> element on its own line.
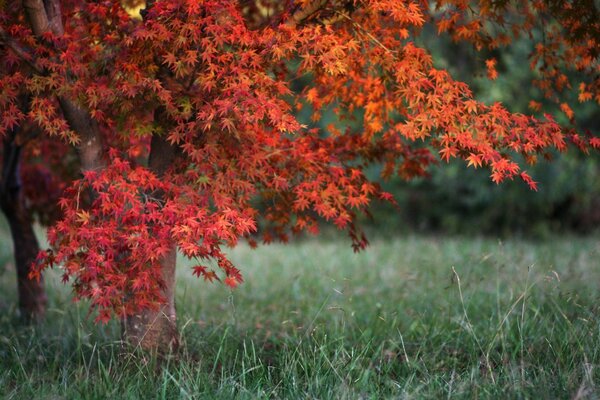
<point>54,16</point>
<point>312,10</point>
<point>36,14</point>
<point>90,147</point>
<point>44,16</point>
<point>304,13</point>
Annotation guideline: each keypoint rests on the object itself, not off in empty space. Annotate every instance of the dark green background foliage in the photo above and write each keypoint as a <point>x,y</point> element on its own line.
<point>457,199</point>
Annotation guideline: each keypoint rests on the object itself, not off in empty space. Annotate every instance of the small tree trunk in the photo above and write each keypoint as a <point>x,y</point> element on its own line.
<point>156,330</point>
<point>32,296</point>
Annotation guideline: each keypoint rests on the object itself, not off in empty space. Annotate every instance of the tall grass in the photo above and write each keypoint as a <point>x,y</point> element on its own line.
<point>412,317</point>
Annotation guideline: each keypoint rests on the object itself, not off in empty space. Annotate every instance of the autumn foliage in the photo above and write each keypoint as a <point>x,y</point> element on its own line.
<point>214,82</point>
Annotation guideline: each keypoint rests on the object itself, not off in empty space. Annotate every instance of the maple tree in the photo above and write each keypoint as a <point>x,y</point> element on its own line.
<point>184,124</point>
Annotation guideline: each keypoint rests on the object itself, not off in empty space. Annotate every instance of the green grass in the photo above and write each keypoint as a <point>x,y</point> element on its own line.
<point>413,317</point>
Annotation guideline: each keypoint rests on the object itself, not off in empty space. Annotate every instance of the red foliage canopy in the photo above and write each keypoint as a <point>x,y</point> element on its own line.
<point>215,79</point>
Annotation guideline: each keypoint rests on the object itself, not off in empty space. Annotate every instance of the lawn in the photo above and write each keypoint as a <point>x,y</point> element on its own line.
<point>411,317</point>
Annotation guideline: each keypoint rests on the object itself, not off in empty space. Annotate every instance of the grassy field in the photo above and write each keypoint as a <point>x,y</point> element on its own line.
<point>412,317</point>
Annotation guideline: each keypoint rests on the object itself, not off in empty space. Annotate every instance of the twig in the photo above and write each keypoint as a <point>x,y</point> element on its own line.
<point>366,32</point>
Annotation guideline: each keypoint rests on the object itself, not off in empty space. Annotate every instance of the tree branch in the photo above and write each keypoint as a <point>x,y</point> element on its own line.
<point>366,32</point>
<point>54,14</point>
<point>19,51</point>
<point>36,14</point>
<point>45,16</point>
<point>303,14</point>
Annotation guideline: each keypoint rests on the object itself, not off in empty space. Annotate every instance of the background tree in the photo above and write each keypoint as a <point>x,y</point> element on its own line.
<point>185,124</point>
<point>17,208</point>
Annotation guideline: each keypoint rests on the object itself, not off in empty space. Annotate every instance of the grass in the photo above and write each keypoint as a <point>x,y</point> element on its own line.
<point>412,317</point>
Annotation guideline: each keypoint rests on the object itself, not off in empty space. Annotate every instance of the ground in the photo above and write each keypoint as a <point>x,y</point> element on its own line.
<point>411,317</point>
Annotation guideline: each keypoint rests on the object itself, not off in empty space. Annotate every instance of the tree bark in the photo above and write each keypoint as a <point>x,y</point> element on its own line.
<point>156,330</point>
<point>32,296</point>
<point>46,16</point>
<point>90,148</point>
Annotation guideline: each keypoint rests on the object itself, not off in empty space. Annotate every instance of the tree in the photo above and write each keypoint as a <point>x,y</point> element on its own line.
<point>184,123</point>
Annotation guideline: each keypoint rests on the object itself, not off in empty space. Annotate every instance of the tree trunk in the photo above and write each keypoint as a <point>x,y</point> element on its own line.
<point>156,330</point>
<point>90,148</point>
<point>32,296</point>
